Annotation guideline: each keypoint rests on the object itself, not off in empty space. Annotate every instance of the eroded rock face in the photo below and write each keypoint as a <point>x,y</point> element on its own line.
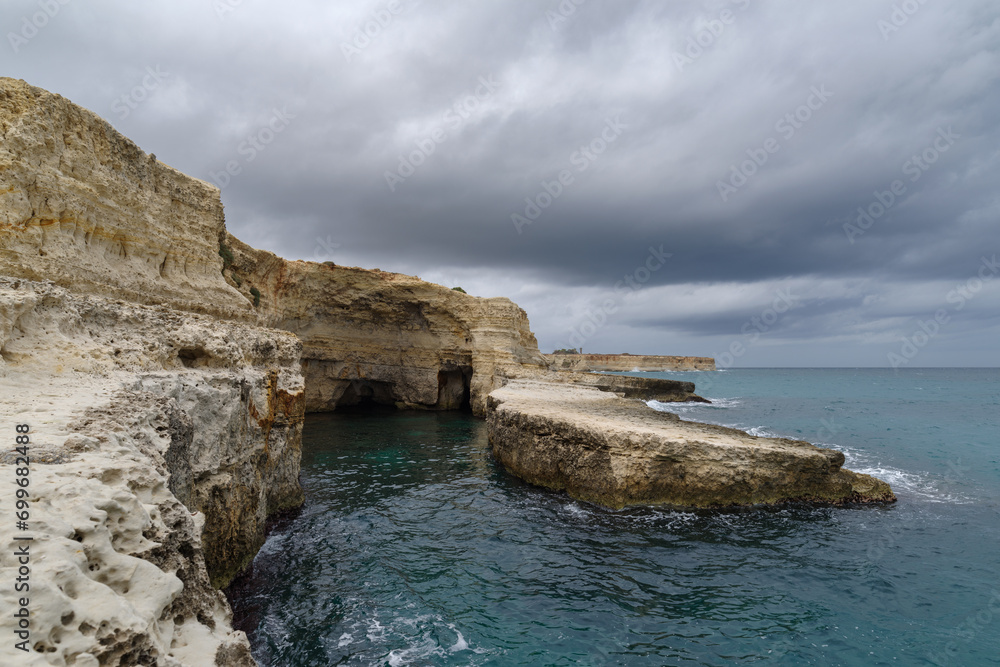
<point>136,340</point>
<point>387,337</point>
<point>647,389</point>
<point>141,416</point>
<point>83,206</point>
<point>615,452</point>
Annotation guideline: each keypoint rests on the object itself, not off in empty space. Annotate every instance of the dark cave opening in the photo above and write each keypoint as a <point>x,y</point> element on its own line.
<point>455,389</point>
<point>367,393</point>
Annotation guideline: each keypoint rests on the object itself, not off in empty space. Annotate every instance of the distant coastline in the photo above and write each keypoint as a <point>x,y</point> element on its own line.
<point>624,363</point>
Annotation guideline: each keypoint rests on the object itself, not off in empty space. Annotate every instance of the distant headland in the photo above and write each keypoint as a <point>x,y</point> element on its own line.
<point>567,360</point>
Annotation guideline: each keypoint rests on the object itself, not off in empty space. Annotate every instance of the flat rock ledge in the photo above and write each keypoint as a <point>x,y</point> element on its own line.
<point>602,448</point>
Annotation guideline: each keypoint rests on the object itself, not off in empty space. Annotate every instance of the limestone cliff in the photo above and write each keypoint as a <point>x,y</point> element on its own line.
<point>387,337</point>
<point>84,207</point>
<point>624,363</point>
<point>150,353</point>
<point>166,422</point>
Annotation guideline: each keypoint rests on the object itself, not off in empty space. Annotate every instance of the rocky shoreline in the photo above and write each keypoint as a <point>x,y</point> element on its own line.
<point>165,368</point>
<point>602,448</point>
<point>151,478</point>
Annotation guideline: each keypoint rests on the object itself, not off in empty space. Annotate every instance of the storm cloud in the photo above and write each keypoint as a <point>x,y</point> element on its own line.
<point>844,155</point>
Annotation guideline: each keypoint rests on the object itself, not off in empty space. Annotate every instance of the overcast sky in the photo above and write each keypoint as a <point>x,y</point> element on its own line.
<point>654,177</point>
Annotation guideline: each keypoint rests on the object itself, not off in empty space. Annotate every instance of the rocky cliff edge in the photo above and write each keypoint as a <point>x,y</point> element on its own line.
<point>164,369</point>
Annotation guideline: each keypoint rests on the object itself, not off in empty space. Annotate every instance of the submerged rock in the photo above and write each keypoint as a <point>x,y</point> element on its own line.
<point>601,448</point>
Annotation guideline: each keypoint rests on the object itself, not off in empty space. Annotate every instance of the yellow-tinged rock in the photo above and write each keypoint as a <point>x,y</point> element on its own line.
<point>615,452</point>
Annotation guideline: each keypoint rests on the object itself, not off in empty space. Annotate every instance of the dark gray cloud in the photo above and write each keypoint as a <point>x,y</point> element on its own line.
<point>644,108</point>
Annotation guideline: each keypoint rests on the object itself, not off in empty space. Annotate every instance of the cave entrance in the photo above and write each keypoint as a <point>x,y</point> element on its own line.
<point>367,393</point>
<point>455,389</point>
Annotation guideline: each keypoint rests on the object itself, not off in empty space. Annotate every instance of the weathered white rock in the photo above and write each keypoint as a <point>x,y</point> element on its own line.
<point>116,569</point>
<point>140,416</point>
<point>613,451</point>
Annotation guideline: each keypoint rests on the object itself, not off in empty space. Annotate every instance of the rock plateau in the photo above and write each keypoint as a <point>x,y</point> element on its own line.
<point>601,448</point>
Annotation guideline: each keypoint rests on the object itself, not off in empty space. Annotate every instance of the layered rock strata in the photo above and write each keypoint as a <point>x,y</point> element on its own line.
<point>647,389</point>
<point>386,337</point>
<point>166,421</point>
<point>83,206</point>
<point>601,448</point>
<point>624,363</point>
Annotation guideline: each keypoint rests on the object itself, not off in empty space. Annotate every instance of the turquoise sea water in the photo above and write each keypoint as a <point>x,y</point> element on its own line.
<point>415,548</point>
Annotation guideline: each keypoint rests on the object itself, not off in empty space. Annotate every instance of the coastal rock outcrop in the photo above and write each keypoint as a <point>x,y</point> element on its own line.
<point>387,337</point>
<point>159,363</point>
<point>648,389</point>
<point>160,443</point>
<point>625,363</point>
<point>612,451</point>
<point>83,206</point>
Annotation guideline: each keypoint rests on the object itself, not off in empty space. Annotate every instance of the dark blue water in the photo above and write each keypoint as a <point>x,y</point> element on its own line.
<point>415,548</point>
